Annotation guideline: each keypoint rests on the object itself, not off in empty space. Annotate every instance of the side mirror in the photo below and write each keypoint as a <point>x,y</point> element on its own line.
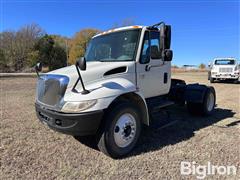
<point>168,37</point>
<point>38,67</point>
<point>168,55</point>
<point>165,37</point>
<point>81,63</point>
<point>165,42</point>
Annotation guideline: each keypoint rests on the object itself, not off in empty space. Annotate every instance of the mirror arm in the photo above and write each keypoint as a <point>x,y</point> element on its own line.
<point>38,68</point>
<point>73,89</point>
<point>156,25</point>
<point>37,74</point>
<point>79,79</point>
<point>163,46</point>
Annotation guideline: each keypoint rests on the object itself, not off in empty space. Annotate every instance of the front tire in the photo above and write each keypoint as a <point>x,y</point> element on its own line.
<point>206,107</point>
<point>121,131</point>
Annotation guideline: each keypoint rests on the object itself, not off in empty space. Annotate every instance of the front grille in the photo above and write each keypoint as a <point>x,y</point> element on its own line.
<point>51,89</point>
<point>225,70</point>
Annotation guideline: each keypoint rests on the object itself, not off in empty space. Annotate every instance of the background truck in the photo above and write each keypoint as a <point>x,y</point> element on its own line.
<point>224,69</point>
<point>121,84</point>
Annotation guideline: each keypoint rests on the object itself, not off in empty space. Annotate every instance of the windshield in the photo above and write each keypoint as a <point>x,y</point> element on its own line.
<point>117,46</point>
<point>224,62</point>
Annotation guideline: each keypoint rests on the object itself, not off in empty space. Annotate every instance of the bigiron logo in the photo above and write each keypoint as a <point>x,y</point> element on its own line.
<point>202,171</point>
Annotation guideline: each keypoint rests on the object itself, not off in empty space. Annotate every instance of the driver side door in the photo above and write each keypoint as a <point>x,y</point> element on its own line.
<point>153,74</point>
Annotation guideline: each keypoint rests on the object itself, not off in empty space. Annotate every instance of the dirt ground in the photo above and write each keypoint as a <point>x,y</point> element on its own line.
<point>30,150</point>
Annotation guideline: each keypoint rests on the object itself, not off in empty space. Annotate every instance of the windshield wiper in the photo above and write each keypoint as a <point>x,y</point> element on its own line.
<point>114,60</point>
<point>106,60</point>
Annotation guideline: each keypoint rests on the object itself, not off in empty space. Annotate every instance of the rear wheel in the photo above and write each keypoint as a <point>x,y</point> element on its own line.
<point>211,80</point>
<point>122,130</point>
<point>207,106</point>
<point>235,81</point>
<point>209,75</point>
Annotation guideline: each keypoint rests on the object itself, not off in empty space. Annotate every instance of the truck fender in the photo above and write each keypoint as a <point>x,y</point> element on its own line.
<point>136,98</point>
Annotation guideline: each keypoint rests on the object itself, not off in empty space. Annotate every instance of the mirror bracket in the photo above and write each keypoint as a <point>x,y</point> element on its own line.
<point>80,64</point>
<point>38,68</point>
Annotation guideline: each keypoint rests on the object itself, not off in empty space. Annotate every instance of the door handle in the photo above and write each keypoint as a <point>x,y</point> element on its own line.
<point>148,67</point>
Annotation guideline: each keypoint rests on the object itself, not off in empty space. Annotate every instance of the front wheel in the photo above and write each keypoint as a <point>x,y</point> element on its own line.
<point>206,107</point>
<point>122,130</point>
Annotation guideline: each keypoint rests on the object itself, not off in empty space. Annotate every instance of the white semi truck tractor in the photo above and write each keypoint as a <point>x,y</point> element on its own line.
<point>121,84</point>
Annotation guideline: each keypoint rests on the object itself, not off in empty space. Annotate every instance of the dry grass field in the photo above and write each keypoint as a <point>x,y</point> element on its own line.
<point>30,150</point>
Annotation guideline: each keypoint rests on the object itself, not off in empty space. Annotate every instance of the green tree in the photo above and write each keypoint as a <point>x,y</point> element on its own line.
<point>32,58</point>
<point>3,62</point>
<point>79,44</point>
<point>51,54</point>
<point>59,58</point>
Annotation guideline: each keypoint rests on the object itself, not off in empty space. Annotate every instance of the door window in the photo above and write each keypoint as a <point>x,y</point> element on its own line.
<point>155,45</point>
<point>145,55</point>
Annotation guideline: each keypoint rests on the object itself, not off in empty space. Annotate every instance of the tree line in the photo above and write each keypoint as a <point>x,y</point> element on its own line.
<point>200,66</point>
<point>20,50</point>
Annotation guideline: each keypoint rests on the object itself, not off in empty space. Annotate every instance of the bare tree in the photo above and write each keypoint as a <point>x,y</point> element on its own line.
<point>202,66</point>
<point>16,45</point>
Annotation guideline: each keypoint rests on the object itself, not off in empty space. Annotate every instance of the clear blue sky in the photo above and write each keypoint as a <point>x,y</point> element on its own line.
<point>201,30</point>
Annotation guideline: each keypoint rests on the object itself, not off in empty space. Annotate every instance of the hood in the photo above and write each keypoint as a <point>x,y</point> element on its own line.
<point>95,71</point>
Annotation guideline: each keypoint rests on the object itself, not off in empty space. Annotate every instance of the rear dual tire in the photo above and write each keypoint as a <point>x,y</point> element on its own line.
<point>211,80</point>
<point>206,107</point>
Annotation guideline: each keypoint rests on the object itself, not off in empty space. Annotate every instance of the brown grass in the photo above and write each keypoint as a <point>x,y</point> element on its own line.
<point>178,70</point>
<point>30,150</point>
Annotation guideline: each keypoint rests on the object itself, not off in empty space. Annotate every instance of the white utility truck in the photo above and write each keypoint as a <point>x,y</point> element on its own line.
<point>120,84</point>
<point>224,69</point>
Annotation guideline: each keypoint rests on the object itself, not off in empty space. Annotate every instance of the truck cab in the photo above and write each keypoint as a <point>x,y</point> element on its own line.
<point>121,82</point>
<point>224,69</point>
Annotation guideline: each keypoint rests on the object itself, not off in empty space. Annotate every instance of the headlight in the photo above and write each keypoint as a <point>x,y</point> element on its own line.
<point>78,106</point>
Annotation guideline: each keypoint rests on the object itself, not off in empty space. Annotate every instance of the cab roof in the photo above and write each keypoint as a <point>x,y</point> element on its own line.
<point>119,29</point>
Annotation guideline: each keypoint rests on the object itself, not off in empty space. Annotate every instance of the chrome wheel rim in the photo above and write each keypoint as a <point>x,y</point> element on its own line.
<point>210,102</point>
<point>125,130</point>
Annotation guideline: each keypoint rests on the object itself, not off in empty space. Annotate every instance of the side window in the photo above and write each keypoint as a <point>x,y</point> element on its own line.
<point>155,45</point>
<point>145,55</point>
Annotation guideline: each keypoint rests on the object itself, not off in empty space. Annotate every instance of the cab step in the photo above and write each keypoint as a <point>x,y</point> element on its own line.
<point>161,119</point>
<point>157,104</point>
<point>159,116</point>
